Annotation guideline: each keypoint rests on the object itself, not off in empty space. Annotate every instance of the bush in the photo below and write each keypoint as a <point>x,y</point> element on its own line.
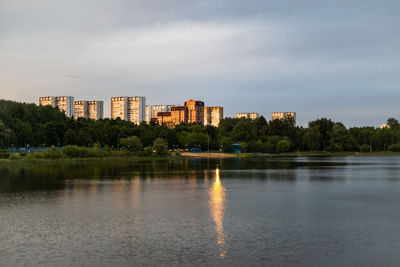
<point>132,143</point>
<point>76,152</point>
<point>52,153</point>
<point>71,151</point>
<point>394,148</point>
<point>36,155</point>
<point>4,155</point>
<point>98,153</point>
<point>160,146</point>
<point>146,152</point>
<point>283,146</point>
<point>15,156</point>
<point>365,148</point>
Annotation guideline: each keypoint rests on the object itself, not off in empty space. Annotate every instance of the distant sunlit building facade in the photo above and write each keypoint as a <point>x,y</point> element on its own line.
<point>384,126</point>
<point>195,111</point>
<point>137,109</point>
<point>245,115</point>
<point>152,110</point>
<point>119,108</point>
<point>63,103</point>
<point>213,115</point>
<point>179,114</point>
<point>131,109</point>
<point>81,109</point>
<point>165,118</point>
<point>96,110</point>
<point>284,115</point>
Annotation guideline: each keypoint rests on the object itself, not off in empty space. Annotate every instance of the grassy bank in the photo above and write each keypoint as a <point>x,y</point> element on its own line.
<point>316,154</point>
<point>73,153</point>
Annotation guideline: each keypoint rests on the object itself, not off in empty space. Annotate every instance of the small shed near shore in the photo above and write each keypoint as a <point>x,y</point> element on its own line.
<point>236,148</point>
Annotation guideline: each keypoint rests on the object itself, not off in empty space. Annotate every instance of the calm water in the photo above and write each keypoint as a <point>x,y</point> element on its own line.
<point>340,211</point>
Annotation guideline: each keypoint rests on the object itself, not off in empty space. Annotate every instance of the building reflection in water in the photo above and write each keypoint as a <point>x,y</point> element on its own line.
<point>217,209</point>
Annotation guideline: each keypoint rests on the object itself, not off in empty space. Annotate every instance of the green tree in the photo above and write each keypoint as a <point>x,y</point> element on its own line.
<point>132,143</point>
<point>365,148</point>
<point>341,139</point>
<point>312,138</point>
<point>243,131</point>
<point>393,123</point>
<point>23,131</point>
<point>325,128</point>
<point>160,146</point>
<point>52,138</point>
<point>283,146</point>
<point>394,148</point>
<point>197,139</point>
<point>5,135</point>
<point>69,137</point>
<point>226,144</point>
<point>83,138</point>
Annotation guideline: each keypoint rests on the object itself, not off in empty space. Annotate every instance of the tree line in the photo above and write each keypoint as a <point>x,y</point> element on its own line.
<point>24,124</point>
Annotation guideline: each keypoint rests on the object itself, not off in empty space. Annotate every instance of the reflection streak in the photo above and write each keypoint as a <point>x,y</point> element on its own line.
<point>217,208</point>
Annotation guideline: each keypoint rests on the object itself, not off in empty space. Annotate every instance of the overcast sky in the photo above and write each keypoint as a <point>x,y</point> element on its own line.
<point>335,59</point>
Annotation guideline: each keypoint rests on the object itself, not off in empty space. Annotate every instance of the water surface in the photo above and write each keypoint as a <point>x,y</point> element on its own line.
<point>328,211</point>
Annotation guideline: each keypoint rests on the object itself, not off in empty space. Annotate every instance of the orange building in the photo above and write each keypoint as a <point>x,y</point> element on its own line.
<point>195,111</point>
<point>165,118</point>
<point>179,115</point>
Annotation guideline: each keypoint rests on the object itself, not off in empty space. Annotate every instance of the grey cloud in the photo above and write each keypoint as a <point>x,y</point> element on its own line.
<point>311,56</point>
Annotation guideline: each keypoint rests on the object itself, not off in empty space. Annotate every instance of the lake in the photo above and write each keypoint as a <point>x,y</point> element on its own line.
<point>304,211</point>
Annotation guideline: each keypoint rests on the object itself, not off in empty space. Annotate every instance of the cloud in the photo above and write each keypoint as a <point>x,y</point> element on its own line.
<point>306,56</point>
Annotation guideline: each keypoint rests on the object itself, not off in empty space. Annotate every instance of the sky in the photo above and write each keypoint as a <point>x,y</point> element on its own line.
<point>335,59</point>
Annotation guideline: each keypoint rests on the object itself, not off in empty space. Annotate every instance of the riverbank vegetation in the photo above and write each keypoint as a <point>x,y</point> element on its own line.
<point>29,125</point>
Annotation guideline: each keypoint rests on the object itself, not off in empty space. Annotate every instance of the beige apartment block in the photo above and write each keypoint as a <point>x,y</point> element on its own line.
<point>213,115</point>
<point>137,109</point>
<point>284,115</point>
<point>119,108</point>
<point>245,115</point>
<point>96,109</point>
<point>81,109</point>
<point>63,103</point>
<point>129,108</point>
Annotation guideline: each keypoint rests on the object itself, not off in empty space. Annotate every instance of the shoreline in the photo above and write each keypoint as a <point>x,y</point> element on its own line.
<point>208,155</point>
<point>184,155</point>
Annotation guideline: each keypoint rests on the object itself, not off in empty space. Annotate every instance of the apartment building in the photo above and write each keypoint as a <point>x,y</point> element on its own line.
<point>179,114</point>
<point>245,115</point>
<point>129,108</point>
<point>165,118</point>
<point>284,115</point>
<point>195,111</point>
<point>63,103</point>
<point>96,110</point>
<point>213,115</point>
<point>152,110</point>
<point>81,109</point>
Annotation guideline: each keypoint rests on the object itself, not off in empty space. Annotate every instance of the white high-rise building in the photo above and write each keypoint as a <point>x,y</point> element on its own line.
<point>119,107</point>
<point>63,103</point>
<point>129,108</point>
<point>96,110</point>
<point>81,109</point>
<point>152,111</point>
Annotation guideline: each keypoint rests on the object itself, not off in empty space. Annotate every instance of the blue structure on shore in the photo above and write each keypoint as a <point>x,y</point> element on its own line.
<point>236,148</point>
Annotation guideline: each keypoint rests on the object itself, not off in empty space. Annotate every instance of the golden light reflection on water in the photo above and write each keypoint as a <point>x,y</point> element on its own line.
<point>217,208</point>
